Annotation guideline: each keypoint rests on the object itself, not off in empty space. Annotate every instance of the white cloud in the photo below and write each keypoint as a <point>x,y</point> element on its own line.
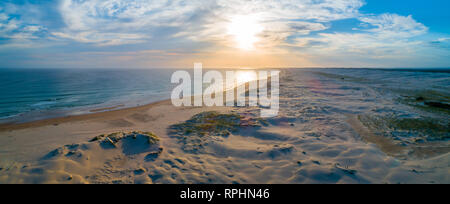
<point>15,29</point>
<point>102,39</point>
<point>202,20</point>
<point>285,26</point>
<point>385,43</point>
<point>3,17</point>
<point>113,22</point>
<point>382,31</point>
<point>134,14</point>
<point>393,24</point>
<point>324,10</point>
<point>443,39</point>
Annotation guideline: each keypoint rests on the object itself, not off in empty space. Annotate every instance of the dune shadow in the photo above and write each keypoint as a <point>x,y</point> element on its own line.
<point>138,145</point>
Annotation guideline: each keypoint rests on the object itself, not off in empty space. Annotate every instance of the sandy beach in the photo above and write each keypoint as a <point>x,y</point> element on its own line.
<point>224,92</point>
<point>314,139</point>
<point>24,144</point>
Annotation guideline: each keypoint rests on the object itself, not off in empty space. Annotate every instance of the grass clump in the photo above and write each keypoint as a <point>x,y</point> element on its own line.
<point>426,100</point>
<point>409,130</point>
<point>413,124</point>
<point>206,127</point>
<point>114,138</point>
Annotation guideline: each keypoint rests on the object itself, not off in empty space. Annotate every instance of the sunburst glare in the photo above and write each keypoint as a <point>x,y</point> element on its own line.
<point>245,76</point>
<point>245,30</point>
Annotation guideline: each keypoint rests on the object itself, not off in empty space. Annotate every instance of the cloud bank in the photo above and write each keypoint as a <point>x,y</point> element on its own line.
<point>203,30</point>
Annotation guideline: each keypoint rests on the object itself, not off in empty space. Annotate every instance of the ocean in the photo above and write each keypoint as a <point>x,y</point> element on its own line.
<point>33,94</point>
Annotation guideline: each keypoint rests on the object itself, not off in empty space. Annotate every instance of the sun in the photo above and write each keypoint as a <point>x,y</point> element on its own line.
<point>245,76</point>
<point>245,30</point>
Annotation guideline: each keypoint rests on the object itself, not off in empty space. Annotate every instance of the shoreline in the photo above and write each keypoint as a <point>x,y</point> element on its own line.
<point>5,127</point>
<point>110,108</point>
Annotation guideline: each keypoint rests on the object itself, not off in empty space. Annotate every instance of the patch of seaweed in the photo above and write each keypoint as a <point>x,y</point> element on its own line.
<point>206,127</point>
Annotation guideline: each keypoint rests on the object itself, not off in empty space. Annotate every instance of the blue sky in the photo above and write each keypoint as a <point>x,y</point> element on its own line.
<point>224,33</point>
<point>433,14</point>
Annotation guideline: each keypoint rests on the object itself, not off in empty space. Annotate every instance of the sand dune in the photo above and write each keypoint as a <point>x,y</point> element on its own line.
<point>313,140</point>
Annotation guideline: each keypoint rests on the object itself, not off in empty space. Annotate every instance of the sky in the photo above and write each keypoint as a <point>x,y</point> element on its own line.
<point>224,33</point>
